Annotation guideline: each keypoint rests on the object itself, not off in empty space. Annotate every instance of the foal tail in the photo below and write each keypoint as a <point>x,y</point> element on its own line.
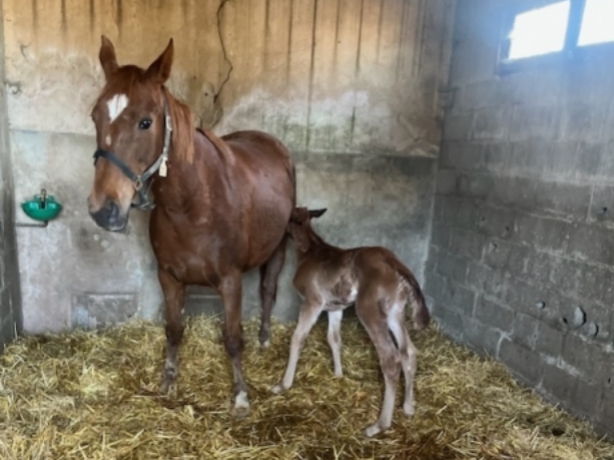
<point>421,316</point>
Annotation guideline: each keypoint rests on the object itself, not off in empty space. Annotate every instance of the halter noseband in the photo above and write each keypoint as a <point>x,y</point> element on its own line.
<point>142,183</point>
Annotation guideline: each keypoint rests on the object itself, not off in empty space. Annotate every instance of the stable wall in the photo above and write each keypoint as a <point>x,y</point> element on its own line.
<point>522,252</point>
<point>10,302</point>
<point>352,87</point>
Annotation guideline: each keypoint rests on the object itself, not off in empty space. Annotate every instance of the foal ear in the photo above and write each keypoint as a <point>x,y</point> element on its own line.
<point>160,69</point>
<point>316,212</point>
<point>107,57</point>
<point>299,215</point>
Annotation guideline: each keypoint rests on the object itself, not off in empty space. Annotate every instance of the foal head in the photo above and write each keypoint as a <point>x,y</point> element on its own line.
<point>130,133</point>
<point>299,226</point>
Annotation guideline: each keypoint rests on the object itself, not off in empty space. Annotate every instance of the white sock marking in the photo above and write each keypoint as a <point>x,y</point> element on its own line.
<point>242,401</point>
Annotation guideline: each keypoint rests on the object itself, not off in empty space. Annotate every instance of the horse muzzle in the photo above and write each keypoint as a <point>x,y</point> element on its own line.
<point>110,217</point>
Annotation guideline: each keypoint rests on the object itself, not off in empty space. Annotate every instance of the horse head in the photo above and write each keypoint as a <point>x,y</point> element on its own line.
<point>133,134</point>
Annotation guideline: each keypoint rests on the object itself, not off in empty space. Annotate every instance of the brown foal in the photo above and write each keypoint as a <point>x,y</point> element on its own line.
<point>331,279</point>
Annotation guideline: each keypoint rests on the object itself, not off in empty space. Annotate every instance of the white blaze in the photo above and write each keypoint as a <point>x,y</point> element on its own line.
<point>116,106</point>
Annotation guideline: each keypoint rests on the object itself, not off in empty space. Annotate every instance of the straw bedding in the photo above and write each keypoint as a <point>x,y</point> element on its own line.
<point>93,395</point>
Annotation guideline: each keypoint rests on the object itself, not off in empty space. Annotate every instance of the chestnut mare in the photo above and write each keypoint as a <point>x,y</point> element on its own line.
<point>222,205</point>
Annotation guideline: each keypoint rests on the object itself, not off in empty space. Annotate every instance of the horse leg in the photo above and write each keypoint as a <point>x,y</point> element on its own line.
<point>334,339</point>
<point>307,318</point>
<point>269,273</point>
<point>230,291</point>
<point>390,363</point>
<point>408,353</point>
<point>173,299</point>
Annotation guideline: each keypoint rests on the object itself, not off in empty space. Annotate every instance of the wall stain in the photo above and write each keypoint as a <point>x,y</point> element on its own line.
<point>379,29</point>
<point>185,8</point>
<point>225,53</point>
<point>337,21</point>
<point>267,33</point>
<point>311,70</point>
<point>286,128</point>
<point>92,14</point>
<point>119,15</point>
<point>288,58</point>
<point>400,47</point>
<point>64,19</point>
<point>362,11</point>
<point>419,40</point>
<point>35,14</point>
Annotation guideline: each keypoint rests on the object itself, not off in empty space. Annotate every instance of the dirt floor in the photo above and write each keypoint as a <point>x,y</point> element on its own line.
<point>93,396</point>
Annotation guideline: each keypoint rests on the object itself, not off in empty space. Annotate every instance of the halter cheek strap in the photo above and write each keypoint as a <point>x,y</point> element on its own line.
<point>142,182</point>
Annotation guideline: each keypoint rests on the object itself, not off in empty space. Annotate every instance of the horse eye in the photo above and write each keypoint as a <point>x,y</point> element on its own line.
<point>145,123</point>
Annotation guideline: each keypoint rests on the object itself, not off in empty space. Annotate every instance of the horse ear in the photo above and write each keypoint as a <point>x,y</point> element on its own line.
<point>160,69</point>
<point>316,212</point>
<point>107,57</point>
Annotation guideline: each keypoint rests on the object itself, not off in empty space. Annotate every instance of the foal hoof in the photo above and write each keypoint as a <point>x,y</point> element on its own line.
<point>277,389</point>
<point>408,409</point>
<point>264,337</point>
<point>166,386</point>
<point>241,408</point>
<point>373,430</point>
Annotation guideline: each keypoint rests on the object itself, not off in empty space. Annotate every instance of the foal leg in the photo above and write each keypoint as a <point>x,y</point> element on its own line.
<point>396,323</point>
<point>269,272</point>
<point>173,298</point>
<point>390,363</point>
<point>230,291</point>
<point>334,339</point>
<point>307,318</point>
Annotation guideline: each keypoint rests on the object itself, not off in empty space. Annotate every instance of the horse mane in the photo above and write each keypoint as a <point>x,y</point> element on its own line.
<point>182,140</point>
<point>126,81</point>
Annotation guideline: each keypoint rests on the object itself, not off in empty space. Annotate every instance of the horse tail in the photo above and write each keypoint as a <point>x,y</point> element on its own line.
<point>421,316</point>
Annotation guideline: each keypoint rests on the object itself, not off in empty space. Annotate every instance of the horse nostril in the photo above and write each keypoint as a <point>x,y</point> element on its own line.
<point>113,212</point>
<point>109,216</point>
<point>114,209</point>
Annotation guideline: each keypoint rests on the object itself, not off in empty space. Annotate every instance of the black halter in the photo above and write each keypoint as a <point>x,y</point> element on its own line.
<point>142,183</point>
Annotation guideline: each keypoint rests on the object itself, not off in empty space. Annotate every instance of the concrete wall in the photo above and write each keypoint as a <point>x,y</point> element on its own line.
<point>522,252</point>
<point>10,302</point>
<point>350,86</point>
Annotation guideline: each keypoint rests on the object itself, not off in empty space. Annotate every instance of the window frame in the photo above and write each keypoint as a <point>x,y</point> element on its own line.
<point>571,52</point>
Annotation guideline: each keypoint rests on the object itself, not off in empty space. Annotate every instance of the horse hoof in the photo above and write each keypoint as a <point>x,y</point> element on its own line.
<point>266,344</point>
<point>373,430</point>
<point>240,412</point>
<point>277,389</point>
<point>241,408</point>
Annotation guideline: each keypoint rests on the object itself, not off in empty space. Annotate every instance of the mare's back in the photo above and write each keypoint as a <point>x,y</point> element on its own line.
<point>258,150</point>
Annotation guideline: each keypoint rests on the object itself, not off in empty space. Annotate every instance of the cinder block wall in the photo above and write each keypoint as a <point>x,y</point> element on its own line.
<point>522,253</point>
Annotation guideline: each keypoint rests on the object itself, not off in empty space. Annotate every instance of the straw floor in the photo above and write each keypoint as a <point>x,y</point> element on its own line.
<point>92,395</point>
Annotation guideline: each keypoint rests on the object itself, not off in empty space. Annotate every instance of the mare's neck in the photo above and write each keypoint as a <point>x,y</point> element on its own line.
<point>178,189</point>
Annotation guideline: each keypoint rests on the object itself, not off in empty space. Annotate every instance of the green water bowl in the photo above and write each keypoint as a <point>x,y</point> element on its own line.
<point>42,207</point>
